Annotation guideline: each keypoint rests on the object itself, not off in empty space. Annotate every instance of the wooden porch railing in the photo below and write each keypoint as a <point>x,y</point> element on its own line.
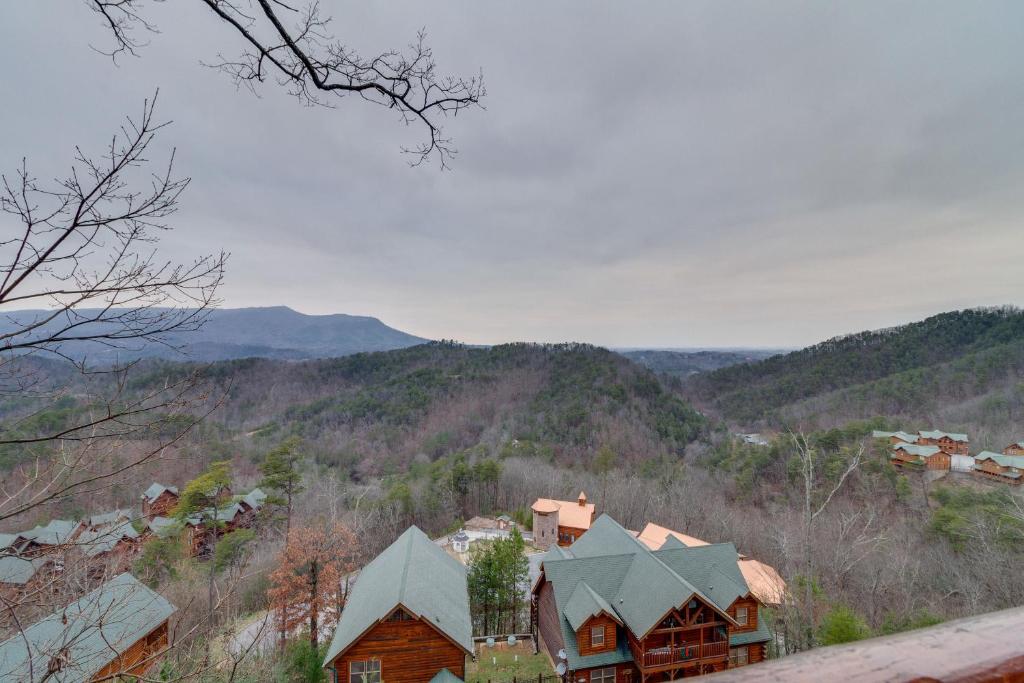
<point>987,648</point>
<point>684,653</point>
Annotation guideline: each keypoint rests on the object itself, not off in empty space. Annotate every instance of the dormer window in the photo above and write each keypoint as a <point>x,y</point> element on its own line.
<point>597,636</point>
<point>742,616</point>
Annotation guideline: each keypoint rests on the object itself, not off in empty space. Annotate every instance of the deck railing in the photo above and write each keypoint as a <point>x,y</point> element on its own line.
<point>984,649</point>
<point>683,653</point>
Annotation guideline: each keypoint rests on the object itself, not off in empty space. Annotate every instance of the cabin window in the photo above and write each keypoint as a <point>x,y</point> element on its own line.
<point>597,636</point>
<point>741,616</point>
<point>400,615</point>
<point>738,656</point>
<point>364,672</point>
<point>603,675</point>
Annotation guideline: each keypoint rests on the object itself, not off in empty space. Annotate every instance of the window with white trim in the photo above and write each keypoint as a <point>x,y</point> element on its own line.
<point>741,616</point>
<point>597,636</point>
<point>603,675</point>
<point>364,672</point>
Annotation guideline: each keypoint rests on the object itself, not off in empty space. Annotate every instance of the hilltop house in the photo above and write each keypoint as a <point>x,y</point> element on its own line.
<point>915,455</point>
<point>561,521</point>
<point>407,619</point>
<point>119,628</point>
<point>952,443</point>
<point>1015,448</point>
<point>609,609</point>
<point>999,467</point>
<point>765,583</point>
<point>158,500</point>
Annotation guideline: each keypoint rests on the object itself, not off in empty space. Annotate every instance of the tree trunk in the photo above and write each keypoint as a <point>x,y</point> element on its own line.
<point>313,605</point>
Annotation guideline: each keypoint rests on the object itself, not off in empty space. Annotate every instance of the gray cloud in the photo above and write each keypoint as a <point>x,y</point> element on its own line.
<point>666,174</point>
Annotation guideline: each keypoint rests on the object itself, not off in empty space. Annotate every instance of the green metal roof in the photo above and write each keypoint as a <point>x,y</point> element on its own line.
<point>672,543</point>
<point>445,676</point>
<point>583,604</point>
<point>914,449</point>
<point>1002,460</point>
<point>164,526</point>
<point>640,585</point>
<point>91,632</point>
<point>18,570</point>
<point>154,491</point>
<point>97,542</point>
<point>56,532</point>
<point>417,574</point>
<point>759,635</point>
<point>936,434</point>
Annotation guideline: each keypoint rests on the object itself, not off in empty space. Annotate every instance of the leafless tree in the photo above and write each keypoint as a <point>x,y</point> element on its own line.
<point>83,255</point>
<point>294,46</point>
<point>815,502</point>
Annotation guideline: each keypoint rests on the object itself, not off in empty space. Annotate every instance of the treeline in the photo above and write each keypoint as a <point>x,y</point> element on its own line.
<point>892,366</point>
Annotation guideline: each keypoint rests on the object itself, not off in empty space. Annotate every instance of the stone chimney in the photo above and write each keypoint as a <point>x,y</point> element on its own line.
<point>582,499</point>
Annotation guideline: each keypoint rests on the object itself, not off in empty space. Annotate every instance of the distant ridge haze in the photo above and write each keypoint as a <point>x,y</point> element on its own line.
<point>268,332</point>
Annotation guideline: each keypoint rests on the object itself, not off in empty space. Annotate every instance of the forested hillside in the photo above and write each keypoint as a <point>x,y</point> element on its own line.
<point>945,367</point>
<point>686,363</point>
<point>375,413</point>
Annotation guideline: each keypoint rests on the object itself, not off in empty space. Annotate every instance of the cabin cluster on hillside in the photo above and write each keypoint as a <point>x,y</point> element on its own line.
<point>231,513</point>
<point>937,450</point>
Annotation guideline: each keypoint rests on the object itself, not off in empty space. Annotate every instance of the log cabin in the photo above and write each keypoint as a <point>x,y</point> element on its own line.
<point>407,619</point>
<point>118,629</point>
<point>952,443</point>
<point>895,437</point>
<point>999,467</point>
<point>561,521</point>
<point>1015,448</point>
<point>158,500</point>
<point>909,455</point>
<point>608,609</point>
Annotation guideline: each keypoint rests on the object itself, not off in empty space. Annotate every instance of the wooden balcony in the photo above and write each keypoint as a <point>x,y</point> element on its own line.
<point>682,654</point>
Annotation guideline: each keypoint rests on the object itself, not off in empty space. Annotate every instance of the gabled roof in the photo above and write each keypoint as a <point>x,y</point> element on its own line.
<point>97,542</point>
<point>56,532</point>
<point>654,536</point>
<point>764,582</point>
<point>1002,460</point>
<point>89,633</point>
<point>936,434</point>
<point>919,451</point>
<point>255,498</point>
<point>902,436</point>
<point>154,491</point>
<point>1016,444</point>
<point>584,604</point>
<point>103,518</point>
<point>164,526</point>
<point>445,676</point>
<point>19,570</point>
<point>6,540</point>
<point>640,585</point>
<point>570,512</point>
<point>418,575</point>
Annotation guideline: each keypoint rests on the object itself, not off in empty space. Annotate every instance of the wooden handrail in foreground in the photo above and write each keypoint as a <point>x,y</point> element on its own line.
<point>982,649</point>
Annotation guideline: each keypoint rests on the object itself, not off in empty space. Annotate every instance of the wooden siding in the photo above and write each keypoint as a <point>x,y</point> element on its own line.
<point>137,659</point>
<point>939,461</point>
<point>583,635</point>
<point>161,507</point>
<point>409,652</point>
<point>946,444</point>
<point>751,605</point>
<point>626,672</point>
<point>547,620</point>
<point>1013,449</point>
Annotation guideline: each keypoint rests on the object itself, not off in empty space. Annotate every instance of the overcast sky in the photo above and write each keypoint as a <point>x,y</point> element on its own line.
<point>661,174</point>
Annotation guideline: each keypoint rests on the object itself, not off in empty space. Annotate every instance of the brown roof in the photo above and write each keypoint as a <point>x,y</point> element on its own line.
<point>570,512</point>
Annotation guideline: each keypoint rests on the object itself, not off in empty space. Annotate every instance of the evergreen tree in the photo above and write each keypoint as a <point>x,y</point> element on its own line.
<point>282,477</point>
<point>201,498</point>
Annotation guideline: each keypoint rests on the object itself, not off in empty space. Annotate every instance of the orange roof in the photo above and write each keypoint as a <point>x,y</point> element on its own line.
<point>570,512</point>
<point>654,536</point>
<point>763,581</point>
